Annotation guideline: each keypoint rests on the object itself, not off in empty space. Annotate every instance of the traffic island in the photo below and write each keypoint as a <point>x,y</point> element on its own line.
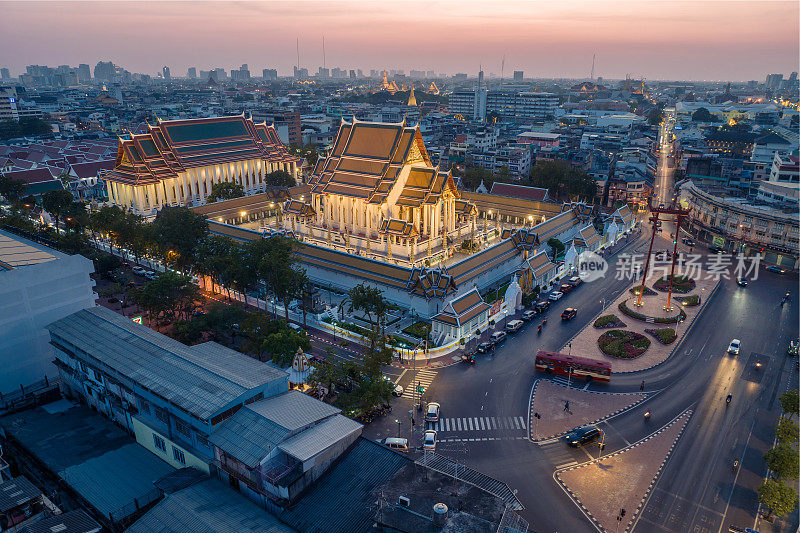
<point>602,488</point>
<point>623,344</point>
<point>550,399</point>
<point>650,316</point>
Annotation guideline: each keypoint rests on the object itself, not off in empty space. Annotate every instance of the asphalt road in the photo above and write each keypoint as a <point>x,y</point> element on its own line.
<point>698,490</point>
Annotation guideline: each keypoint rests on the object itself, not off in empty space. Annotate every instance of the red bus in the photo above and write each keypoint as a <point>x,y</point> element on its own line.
<point>578,367</point>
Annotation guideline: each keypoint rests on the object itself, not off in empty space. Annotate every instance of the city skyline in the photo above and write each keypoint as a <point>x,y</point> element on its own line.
<point>655,40</point>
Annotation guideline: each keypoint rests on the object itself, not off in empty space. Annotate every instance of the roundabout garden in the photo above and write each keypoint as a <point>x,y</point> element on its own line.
<point>623,344</point>
<point>680,284</point>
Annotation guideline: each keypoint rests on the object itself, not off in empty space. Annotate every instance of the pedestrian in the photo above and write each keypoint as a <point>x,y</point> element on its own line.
<point>566,406</point>
<point>641,387</point>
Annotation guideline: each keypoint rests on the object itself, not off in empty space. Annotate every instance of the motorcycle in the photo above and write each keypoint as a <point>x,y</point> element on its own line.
<point>735,464</point>
<point>539,330</point>
<point>647,415</point>
<point>728,399</point>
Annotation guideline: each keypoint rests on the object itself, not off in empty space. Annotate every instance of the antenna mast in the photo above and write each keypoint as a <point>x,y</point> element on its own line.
<point>298,52</point>
<point>592,74</point>
<point>502,69</point>
<point>323,52</point>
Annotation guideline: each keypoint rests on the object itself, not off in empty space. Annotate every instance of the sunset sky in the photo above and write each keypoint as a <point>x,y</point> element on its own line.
<point>701,40</point>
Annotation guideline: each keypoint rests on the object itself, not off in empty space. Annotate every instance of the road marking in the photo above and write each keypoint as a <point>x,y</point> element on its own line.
<point>587,385</point>
<point>470,423</point>
<point>739,469</point>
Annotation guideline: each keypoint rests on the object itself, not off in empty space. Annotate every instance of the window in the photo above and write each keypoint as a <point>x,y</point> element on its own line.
<point>182,427</point>
<point>177,454</point>
<point>161,415</point>
<point>159,442</point>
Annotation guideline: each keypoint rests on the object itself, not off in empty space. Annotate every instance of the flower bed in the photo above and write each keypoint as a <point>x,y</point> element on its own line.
<point>623,344</point>
<point>647,291</point>
<point>609,321</point>
<point>664,335</point>
<point>691,300</point>
<point>623,306</point>
<point>681,284</point>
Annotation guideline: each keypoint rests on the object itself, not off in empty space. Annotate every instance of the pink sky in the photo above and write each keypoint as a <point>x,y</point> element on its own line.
<point>658,39</point>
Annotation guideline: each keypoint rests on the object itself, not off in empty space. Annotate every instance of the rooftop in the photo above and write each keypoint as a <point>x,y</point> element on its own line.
<point>17,252</point>
<point>17,492</point>
<point>202,380</point>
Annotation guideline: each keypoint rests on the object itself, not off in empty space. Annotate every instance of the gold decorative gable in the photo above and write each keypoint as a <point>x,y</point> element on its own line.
<point>414,155</point>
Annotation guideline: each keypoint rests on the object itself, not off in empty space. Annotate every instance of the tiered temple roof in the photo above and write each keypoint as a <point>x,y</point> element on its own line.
<point>462,309</point>
<point>367,159</point>
<point>176,145</point>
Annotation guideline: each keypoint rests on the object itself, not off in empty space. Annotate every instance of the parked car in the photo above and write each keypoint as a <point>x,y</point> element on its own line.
<point>150,275</point>
<point>529,314</point>
<point>542,306</point>
<point>687,241</point>
<point>565,288</point>
<point>575,281</point>
<point>513,326</point>
<point>715,249</point>
<point>498,337</point>
<point>569,313</point>
<point>733,347</point>
<point>742,281</point>
<point>429,440</point>
<point>582,435</point>
<point>555,295</point>
<point>396,443</point>
<point>776,268</point>
<point>432,413</point>
<point>139,271</point>
<point>398,390</point>
<point>485,347</point>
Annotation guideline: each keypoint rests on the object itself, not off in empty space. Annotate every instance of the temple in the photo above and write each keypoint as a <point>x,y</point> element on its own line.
<point>178,161</point>
<point>378,195</point>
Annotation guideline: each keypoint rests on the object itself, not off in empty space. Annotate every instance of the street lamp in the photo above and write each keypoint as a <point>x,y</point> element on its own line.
<point>397,421</point>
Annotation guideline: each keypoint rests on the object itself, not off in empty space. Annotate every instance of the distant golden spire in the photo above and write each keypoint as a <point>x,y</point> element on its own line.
<point>412,100</point>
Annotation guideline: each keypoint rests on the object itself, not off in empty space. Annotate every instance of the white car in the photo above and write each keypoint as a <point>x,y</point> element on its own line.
<point>429,440</point>
<point>555,295</point>
<point>432,414</point>
<point>150,274</point>
<point>398,390</point>
<point>138,270</point>
<point>733,347</point>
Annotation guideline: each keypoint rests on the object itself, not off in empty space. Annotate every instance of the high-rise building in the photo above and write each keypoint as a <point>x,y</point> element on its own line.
<point>243,74</point>
<point>4,74</point>
<point>165,73</point>
<point>220,74</point>
<point>518,75</point>
<point>352,74</point>
<point>430,74</point>
<point>300,73</point>
<point>84,73</point>
<point>104,71</point>
<point>191,73</point>
<point>774,81</point>
<point>323,72</point>
<point>270,74</point>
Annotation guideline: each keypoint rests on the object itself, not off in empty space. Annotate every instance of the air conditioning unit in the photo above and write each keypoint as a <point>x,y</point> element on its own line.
<point>404,501</point>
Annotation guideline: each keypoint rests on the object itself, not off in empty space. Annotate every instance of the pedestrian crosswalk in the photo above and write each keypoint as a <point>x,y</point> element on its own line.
<point>558,453</point>
<point>423,378</point>
<point>480,423</point>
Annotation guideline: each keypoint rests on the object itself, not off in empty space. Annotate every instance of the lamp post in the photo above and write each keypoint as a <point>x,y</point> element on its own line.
<point>397,421</point>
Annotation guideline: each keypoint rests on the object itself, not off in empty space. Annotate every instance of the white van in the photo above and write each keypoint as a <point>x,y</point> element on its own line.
<point>513,326</point>
<point>396,443</point>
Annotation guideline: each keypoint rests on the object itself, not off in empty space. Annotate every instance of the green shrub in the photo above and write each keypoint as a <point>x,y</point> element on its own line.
<point>609,321</point>
<point>647,291</point>
<point>623,306</point>
<point>681,284</point>
<point>623,344</point>
<point>664,335</point>
<point>691,300</point>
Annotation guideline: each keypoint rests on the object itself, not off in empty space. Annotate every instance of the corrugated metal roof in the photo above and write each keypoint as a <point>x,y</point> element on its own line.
<point>342,500</point>
<point>117,478</point>
<point>207,507</point>
<point>70,522</point>
<point>16,492</point>
<point>248,436</point>
<point>317,438</point>
<point>202,382</point>
<point>293,410</point>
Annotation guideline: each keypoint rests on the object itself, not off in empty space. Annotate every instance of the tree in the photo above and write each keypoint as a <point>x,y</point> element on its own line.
<point>783,460</point>
<point>56,202</point>
<point>105,263</point>
<point>225,190</point>
<point>11,189</point>
<point>504,175</point>
<point>255,328</point>
<point>176,234</point>
<point>562,180</point>
<point>283,344</point>
<point>777,497</point>
<point>556,245</point>
<point>325,373</point>
<point>170,296</point>
<point>790,402</point>
<point>473,176</point>
<point>221,320</point>
<point>787,432</point>
<point>214,258</point>
<point>702,115</point>
<point>655,116</point>
<point>105,220</point>
<point>280,178</point>
<point>24,126</point>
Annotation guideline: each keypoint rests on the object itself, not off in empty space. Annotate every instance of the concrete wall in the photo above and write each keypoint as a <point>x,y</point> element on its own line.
<point>31,297</point>
<point>144,436</point>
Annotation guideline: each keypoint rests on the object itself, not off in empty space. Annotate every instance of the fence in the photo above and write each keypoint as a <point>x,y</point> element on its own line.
<point>28,396</point>
<point>512,522</point>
